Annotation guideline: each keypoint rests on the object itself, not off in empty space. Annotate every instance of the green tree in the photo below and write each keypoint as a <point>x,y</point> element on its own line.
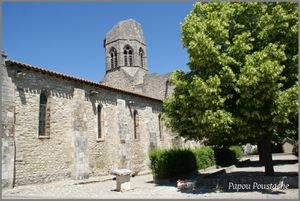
<point>243,80</point>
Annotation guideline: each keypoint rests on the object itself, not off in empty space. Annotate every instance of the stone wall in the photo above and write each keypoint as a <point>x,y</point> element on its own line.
<point>72,149</point>
<point>126,78</point>
<point>119,45</point>
<point>7,126</point>
<point>139,81</point>
<point>43,158</point>
<point>157,86</point>
<point>126,32</point>
<point>80,135</point>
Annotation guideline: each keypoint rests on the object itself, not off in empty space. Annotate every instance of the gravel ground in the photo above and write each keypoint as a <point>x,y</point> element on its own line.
<point>143,187</point>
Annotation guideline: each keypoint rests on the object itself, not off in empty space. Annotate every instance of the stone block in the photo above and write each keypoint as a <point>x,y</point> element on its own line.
<point>122,179</point>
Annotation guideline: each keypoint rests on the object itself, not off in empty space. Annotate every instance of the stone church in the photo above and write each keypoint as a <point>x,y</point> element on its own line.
<point>56,126</point>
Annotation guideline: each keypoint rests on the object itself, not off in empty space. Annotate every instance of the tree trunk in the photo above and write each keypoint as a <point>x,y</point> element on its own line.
<point>267,154</point>
<point>260,148</point>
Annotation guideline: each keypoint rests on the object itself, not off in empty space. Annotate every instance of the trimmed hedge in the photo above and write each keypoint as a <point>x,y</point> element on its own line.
<point>224,156</point>
<point>172,162</point>
<point>238,150</point>
<point>228,156</point>
<point>167,163</point>
<point>204,156</point>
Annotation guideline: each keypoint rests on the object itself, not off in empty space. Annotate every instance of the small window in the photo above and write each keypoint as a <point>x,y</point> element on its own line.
<point>136,124</point>
<point>160,127</point>
<point>44,115</point>
<point>113,58</point>
<point>167,88</point>
<point>99,122</point>
<point>141,53</point>
<point>128,56</point>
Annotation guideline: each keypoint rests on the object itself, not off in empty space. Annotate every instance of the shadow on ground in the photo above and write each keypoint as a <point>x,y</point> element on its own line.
<point>248,163</point>
<point>248,181</point>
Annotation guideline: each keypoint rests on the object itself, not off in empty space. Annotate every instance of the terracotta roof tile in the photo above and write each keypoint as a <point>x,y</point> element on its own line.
<point>69,77</point>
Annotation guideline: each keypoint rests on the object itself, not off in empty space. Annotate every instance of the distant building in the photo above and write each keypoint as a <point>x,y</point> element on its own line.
<point>288,145</point>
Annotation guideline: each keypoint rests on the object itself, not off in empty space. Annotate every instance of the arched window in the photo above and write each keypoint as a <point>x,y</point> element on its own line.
<point>99,122</point>
<point>141,53</point>
<point>135,124</point>
<point>113,58</point>
<point>128,56</point>
<point>43,114</point>
<point>160,127</point>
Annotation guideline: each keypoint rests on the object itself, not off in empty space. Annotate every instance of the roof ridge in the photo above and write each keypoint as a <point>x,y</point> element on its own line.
<point>31,67</point>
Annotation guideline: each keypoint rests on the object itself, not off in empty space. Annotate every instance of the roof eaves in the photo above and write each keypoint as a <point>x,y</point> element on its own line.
<point>69,77</point>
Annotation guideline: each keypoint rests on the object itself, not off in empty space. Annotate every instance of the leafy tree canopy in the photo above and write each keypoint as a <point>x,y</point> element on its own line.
<point>243,81</point>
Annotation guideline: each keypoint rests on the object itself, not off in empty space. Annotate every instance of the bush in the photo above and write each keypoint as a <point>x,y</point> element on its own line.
<point>228,156</point>
<point>238,150</point>
<point>224,156</point>
<point>276,148</point>
<point>295,149</point>
<point>172,162</point>
<point>204,157</point>
<point>166,163</point>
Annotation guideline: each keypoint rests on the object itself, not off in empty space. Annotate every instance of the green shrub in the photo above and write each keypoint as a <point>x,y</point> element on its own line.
<point>228,156</point>
<point>204,156</point>
<point>295,149</point>
<point>166,163</point>
<point>238,150</point>
<point>224,156</point>
<point>172,162</point>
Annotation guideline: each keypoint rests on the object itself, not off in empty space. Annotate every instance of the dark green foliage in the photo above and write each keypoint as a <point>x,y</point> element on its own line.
<point>238,150</point>
<point>204,156</point>
<point>168,163</point>
<point>254,152</point>
<point>296,148</point>
<point>224,156</point>
<point>277,148</point>
<point>172,162</point>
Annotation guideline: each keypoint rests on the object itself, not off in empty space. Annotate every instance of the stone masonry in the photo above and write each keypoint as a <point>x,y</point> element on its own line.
<point>70,146</point>
<point>7,125</point>
<point>135,77</point>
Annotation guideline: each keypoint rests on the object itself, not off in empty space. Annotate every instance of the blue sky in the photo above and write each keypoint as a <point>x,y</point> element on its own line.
<point>67,37</point>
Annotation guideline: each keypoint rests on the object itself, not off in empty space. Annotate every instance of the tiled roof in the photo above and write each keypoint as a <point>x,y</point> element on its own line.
<point>69,77</point>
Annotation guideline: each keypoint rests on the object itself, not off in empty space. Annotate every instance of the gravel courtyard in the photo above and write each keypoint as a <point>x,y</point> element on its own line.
<point>143,187</point>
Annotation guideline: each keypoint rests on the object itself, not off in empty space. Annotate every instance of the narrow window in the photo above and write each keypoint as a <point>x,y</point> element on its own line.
<point>135,123</point>
<point>99,122</point>
<point>116,59</point>
<point>167,88</point>
<point>141,52</point>
<point>113,58</point>
<point>43,113</point>
<point>128,56</point>
<point>160,127</point>
<point>125,59</point>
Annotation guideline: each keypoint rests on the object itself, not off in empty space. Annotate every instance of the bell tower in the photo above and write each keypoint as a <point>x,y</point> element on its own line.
<point>125,47</point>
